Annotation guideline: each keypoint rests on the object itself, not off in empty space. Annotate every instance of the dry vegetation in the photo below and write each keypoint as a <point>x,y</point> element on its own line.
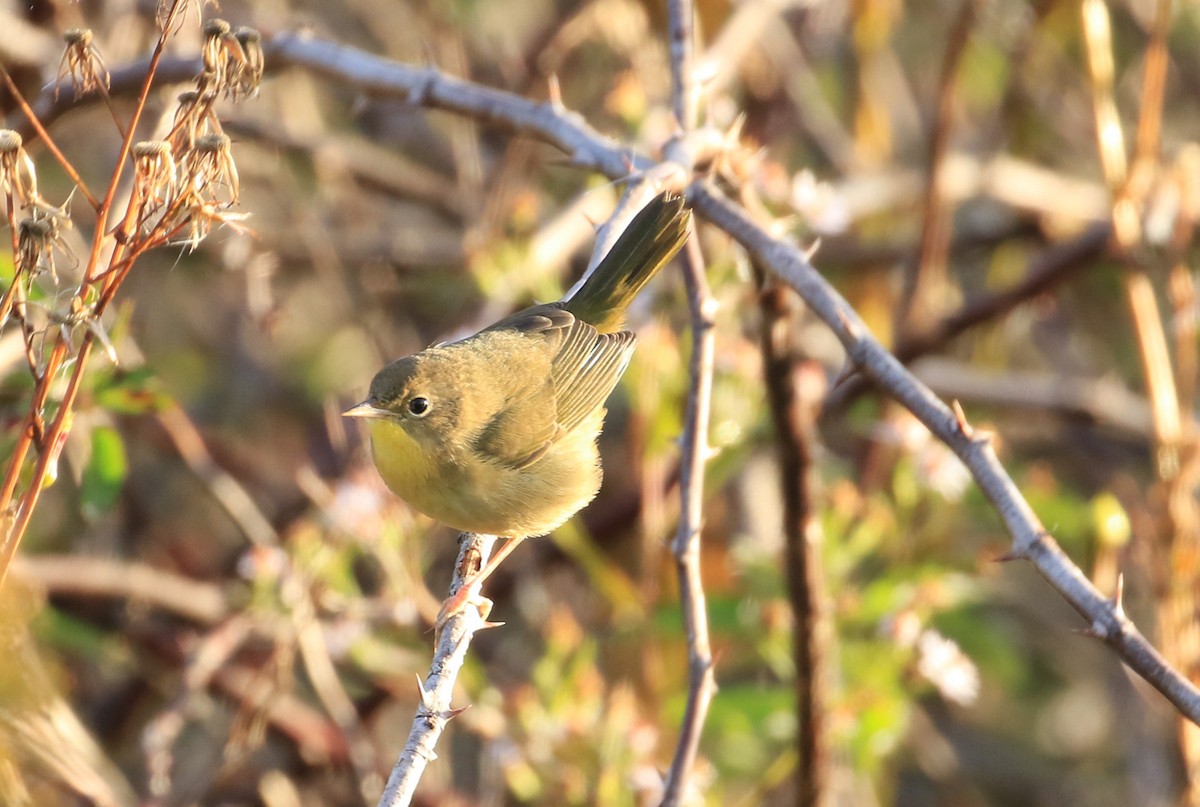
<point>213,600</point>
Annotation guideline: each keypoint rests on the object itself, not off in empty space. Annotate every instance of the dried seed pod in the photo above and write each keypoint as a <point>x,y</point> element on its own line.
<point>82,63</point>
<point>220,48</point>
<point>250,72</point>
<point>194,118</point>
<point>211,166</point>
<point>35,238</point>
<point>155,177</point>
<point>18,176</point>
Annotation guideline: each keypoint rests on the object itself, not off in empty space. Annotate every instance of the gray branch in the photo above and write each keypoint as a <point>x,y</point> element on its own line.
<point>433,712</point>
<point>591,150</point>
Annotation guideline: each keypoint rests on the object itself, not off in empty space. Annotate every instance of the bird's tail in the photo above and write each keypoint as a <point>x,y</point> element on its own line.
<point>648,243</point>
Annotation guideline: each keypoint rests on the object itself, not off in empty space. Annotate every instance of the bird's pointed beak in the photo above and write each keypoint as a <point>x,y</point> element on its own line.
<point>364,410</point>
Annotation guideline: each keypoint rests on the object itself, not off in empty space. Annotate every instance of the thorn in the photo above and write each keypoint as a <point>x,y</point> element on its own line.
<point>489,625</point>
<point>1096,630</point>
<point>450,714</point>
<point>811,251</point>
<point>848,325</point>
<point>960,418</point>
<point>848,371</point>
<point>1009,556</point>
<point>423,695</point>
<point>1118,598</point>
<point>983,437</point>
<point>554,92</point>
<point>596,225</point>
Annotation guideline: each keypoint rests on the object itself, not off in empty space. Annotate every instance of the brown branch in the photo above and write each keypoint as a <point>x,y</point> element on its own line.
<point>1046,270</point>
<point>927,277</point>
<point>794,406</point>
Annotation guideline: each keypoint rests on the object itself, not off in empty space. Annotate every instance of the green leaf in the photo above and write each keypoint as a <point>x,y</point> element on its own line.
<point>105,473</point>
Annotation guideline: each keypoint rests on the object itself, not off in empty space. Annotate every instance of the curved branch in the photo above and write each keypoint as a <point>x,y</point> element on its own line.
<point>1106,618</point>
<point>590,149</point>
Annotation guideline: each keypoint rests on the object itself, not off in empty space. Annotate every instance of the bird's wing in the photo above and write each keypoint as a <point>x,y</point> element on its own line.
<point>584,367</point>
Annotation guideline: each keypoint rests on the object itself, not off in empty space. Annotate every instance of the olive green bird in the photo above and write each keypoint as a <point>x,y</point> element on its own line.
<point>496,434</point>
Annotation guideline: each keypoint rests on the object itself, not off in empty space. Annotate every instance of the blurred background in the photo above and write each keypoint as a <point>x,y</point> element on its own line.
<point>219,603</point>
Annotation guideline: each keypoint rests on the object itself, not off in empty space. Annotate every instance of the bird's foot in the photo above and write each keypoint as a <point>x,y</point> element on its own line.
<point>458,601</point>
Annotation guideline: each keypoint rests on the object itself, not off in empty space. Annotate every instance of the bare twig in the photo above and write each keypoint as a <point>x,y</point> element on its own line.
<point>702,306</point>
<point>686,546</point>
<point>434,710</point>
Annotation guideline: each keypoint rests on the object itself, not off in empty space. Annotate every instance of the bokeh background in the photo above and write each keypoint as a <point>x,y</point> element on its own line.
<point>219,603</point>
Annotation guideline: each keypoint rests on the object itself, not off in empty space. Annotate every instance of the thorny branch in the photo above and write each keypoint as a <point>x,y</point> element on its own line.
<point>433,710</point>
<point>1106,618</point>
<point>590,149</point>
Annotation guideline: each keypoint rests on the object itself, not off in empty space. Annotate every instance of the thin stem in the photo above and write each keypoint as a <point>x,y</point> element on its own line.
<point>686,546</point>
<point>51,446</point>
<point>63,162</point>
<point>794,406</point>
<point>927,278</point>
<point>123,156</point>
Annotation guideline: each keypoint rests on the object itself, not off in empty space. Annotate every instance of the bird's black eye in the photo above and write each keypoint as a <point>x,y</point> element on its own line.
<point>418,406</point>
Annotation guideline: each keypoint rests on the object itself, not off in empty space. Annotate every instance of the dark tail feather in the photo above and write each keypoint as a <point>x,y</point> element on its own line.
<point>648,243</point>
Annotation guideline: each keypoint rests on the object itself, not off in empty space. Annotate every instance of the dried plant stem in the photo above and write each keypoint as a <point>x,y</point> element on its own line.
<point>434,710</point>
<point>50,441</point>
<point>1174,553</point>
<point>686,546</point>
<point>927,279</point>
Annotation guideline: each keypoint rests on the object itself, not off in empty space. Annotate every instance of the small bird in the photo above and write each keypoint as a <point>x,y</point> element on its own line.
<point>496,433</point>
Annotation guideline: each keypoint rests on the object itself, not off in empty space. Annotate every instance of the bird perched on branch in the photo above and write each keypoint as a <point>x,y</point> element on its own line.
<point>496,433</point>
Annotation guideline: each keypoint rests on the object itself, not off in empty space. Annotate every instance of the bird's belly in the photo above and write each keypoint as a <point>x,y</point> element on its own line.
<point>473,494</point>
